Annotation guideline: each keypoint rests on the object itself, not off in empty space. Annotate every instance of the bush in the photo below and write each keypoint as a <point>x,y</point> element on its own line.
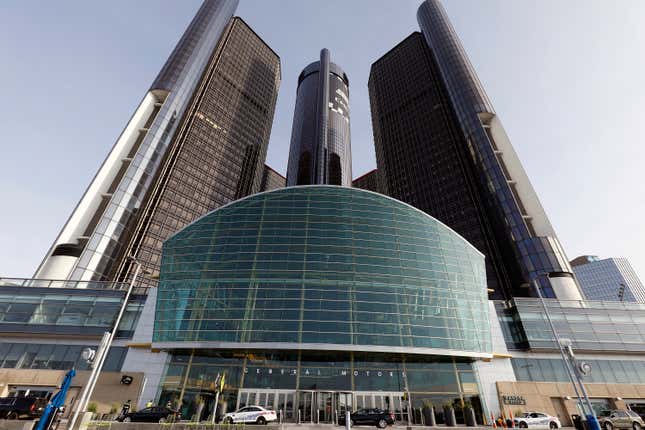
<point>92,407</point>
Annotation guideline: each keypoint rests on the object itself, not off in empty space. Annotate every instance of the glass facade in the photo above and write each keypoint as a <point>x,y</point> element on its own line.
<point>314,299</point>
<point>609,279</point>
<point>56,356</point>
<point>174,88</point>
<point>331,267</point>
<point>66,311</point>
<point>602,371</point>
<point>316,386</point>
<point>219,154</point>
<point>429,109</point>
<point>422,156</point>
<point>592,326</point>
<point>320,151</point>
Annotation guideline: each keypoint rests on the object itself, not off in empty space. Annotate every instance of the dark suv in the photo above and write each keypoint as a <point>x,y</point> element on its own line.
<point>375,417</point>
<point>14,408</point>
<point>618,419</point>
<point>154,414</point>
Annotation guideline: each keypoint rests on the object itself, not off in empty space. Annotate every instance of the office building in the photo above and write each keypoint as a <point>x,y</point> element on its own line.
<point>441,147</point>
<point>609,336</point>
<point>608,279</point>
<point>320,151</point>
<point>272,180</point>
<point>314,299</point>
<point>197,141</point>
<point>369,181</point>
<point>44,328</point>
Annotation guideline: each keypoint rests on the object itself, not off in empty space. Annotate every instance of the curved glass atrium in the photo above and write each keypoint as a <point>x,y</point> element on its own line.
<point>315,288</point>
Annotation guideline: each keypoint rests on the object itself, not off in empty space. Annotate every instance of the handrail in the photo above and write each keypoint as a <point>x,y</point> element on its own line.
<point>64,283</point>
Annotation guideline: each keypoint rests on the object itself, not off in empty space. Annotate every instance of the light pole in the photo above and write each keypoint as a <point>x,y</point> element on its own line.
<point>569,364</point>
<point>101,354</point>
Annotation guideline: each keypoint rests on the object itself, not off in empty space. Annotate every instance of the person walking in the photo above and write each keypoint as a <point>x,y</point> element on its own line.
<point>125,408</point>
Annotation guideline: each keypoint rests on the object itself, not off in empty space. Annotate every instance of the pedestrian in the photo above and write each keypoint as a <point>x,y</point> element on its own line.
<point>125,408</point>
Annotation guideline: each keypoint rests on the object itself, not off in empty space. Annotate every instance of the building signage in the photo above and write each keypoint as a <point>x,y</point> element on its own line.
<point>317,372</point>
<point>514,400</point>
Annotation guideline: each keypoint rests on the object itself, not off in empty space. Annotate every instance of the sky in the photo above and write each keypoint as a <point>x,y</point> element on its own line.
<point>566,79</point>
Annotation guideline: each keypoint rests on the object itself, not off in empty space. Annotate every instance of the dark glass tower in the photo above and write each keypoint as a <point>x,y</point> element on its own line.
<point>320,151</point>
<point>441,147</point>
<point>198,141</point>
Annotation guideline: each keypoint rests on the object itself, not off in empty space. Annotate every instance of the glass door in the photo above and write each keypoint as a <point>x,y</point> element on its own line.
<point>305,406</point>
<point>363,401</point>
<point>284,406</point>
<point>389,402</point>
<point>262,400</point>
<point>324,407</point>
<point>343,404</point>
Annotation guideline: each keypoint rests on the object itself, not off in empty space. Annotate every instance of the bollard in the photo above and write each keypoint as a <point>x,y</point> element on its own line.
<point>348,420</point>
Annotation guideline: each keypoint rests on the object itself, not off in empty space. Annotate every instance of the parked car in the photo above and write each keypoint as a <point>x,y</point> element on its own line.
<point>154,414</point>
<point>374,417</point>
<point>251,414</point>
<point>14,408</point>
<point>537,420</point>
<point>619,419</point>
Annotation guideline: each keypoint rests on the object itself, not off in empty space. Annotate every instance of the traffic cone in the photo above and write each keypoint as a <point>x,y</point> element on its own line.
<point>493,420</point>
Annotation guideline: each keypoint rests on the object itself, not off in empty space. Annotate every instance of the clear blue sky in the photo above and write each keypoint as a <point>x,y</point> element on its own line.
<point>566,78</point>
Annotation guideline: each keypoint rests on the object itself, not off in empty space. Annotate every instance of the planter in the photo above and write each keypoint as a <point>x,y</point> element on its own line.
<point>449,417</point>
<point>469,416</point>
<point>428,417</point>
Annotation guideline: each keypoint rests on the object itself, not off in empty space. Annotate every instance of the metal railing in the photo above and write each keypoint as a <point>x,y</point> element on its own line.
<point>64,283</point>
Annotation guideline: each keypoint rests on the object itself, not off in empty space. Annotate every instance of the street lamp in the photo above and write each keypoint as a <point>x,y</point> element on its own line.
<point>97,358</point>
<point>568,358</point>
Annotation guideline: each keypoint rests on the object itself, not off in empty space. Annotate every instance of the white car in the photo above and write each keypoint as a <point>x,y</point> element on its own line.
<point>537,420</point>
<point>250,414</point>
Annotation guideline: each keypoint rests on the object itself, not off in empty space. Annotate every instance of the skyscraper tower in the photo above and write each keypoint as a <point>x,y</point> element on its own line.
<point>197,141</point>
<point>441,147</point>
<point>320,151</point>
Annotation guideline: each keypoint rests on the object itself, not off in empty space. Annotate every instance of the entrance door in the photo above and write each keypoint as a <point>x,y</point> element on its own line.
<point>305,406</point>
<point>344,402</point>
<point>281,401</point>
<point>389,402</point>
<point>324,407</point>
<point>284,406</point>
